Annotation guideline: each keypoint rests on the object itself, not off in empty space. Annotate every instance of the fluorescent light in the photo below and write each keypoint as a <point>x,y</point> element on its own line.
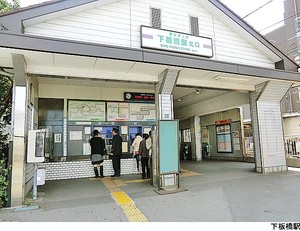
<point>230,78</point>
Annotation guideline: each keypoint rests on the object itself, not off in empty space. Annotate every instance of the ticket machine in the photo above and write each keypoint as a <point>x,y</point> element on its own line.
<point>35,155</point>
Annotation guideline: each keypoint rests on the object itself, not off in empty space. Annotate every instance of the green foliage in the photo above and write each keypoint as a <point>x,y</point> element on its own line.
<point>6,85</point>
<point>3,183</point>
<point>6,6</point>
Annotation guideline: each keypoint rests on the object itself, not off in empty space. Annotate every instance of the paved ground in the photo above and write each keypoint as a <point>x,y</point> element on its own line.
<point>216,191</point>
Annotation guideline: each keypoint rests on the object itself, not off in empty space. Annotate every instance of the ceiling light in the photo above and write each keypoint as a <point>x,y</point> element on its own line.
<point>179,100</point>
<point>230,78</point>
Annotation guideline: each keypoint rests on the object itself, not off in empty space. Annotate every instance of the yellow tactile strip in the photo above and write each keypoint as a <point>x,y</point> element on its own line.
<point>121,198</point>
<point>132,213</point>
<point>186,173</point>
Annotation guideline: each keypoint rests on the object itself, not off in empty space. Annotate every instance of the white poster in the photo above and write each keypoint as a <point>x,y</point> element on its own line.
<point>86,149</point>
<point>87,130</point>
<point>75,135</point>
<point>57,138</point>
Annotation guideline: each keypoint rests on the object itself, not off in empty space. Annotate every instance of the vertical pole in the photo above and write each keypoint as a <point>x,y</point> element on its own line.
<point>34,193</point>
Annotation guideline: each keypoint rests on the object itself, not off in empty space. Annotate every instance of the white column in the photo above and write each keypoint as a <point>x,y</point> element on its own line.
<point>267,126</point>
<point>197,135</point>
<point>18,130</point>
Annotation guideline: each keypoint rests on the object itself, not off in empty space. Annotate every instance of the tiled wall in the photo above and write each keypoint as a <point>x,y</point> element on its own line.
<point>81,169</point>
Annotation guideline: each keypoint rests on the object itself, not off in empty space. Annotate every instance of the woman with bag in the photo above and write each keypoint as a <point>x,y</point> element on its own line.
<point>97,152</point>
<point>144,152</point>
<point>136,145</point>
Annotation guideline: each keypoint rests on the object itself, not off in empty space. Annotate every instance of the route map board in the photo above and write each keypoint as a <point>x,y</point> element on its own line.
<point>117,111</point>
<point>142,112</point>
<point>79,110</point>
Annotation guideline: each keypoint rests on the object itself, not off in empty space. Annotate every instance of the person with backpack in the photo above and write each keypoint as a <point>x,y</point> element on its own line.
<point>144,153</point>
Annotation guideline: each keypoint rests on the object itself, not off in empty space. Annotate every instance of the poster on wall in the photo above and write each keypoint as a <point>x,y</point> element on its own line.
<point>224,140</point>
<point>236,140</point>
<point>117,111</point>
<point>79,110</point>
<point>142,112</point>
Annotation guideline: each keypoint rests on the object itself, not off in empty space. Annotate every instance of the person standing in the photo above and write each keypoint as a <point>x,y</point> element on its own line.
<point>116,150</point>
<point>136,144</point>
<point>144,153</point>
<point>97,152</point>
<point>149,147</point>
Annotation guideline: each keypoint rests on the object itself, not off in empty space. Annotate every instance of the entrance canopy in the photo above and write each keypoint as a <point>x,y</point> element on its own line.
<point>68,60</point>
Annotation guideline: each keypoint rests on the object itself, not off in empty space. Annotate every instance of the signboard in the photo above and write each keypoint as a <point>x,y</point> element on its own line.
<point>176,42</point>
<point>166,107</point>
<point>168,152</point>
<point>117,111</point>
<point>224,142</point>
<point>142,112</point>
<point>133,96</point>
<point>79,110</point>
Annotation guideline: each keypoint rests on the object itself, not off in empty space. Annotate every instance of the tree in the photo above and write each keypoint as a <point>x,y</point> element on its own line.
<point>6,6</point>
<point>6,87</point>
<point>6,84</point>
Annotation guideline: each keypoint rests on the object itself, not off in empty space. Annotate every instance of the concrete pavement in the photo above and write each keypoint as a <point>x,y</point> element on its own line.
<point>216,191</point>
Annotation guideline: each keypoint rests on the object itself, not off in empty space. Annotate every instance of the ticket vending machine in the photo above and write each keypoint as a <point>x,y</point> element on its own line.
<point>36,146</point>
<point>35,155</point>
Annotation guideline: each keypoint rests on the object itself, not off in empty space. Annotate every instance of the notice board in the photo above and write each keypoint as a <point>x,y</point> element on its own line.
<point>168,146</point>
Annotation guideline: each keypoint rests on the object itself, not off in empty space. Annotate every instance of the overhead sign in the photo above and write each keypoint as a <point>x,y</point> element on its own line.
<point>221,122</point>
<point>134,96</point>
<point>176,42</point>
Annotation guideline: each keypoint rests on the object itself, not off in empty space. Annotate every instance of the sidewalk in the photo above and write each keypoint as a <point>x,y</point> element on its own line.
<point>216,191</point>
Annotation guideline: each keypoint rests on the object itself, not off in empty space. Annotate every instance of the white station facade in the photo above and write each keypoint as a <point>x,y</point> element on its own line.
<point>140,65</point>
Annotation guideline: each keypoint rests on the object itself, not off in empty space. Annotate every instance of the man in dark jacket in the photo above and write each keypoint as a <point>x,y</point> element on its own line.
<point>116,150</point>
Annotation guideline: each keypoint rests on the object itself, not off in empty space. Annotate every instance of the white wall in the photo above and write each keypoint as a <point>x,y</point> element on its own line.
<point>291,126</point>
<point>84,92</point>
<point>217,104</point>
<point>119,24</point>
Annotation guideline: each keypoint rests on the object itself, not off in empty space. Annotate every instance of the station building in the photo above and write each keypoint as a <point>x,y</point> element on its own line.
<point>80,65</point>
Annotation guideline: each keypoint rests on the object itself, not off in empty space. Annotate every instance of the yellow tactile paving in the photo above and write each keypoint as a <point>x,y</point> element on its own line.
<point>137,218</point>
<point>119,182</point>
<point>121,198</point>
<point>136,181</point>
<point>186,173</point>
<point>132,213</point>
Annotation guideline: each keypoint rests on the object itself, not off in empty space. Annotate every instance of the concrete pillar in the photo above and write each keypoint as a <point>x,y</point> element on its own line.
<point>164,108</point>
<point>19,110</point>
<point>267,126</point>
<point>196,146</point>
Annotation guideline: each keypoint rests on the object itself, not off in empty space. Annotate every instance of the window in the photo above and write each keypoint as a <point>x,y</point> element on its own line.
<point>155,18</point>
<point>194,25</point>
